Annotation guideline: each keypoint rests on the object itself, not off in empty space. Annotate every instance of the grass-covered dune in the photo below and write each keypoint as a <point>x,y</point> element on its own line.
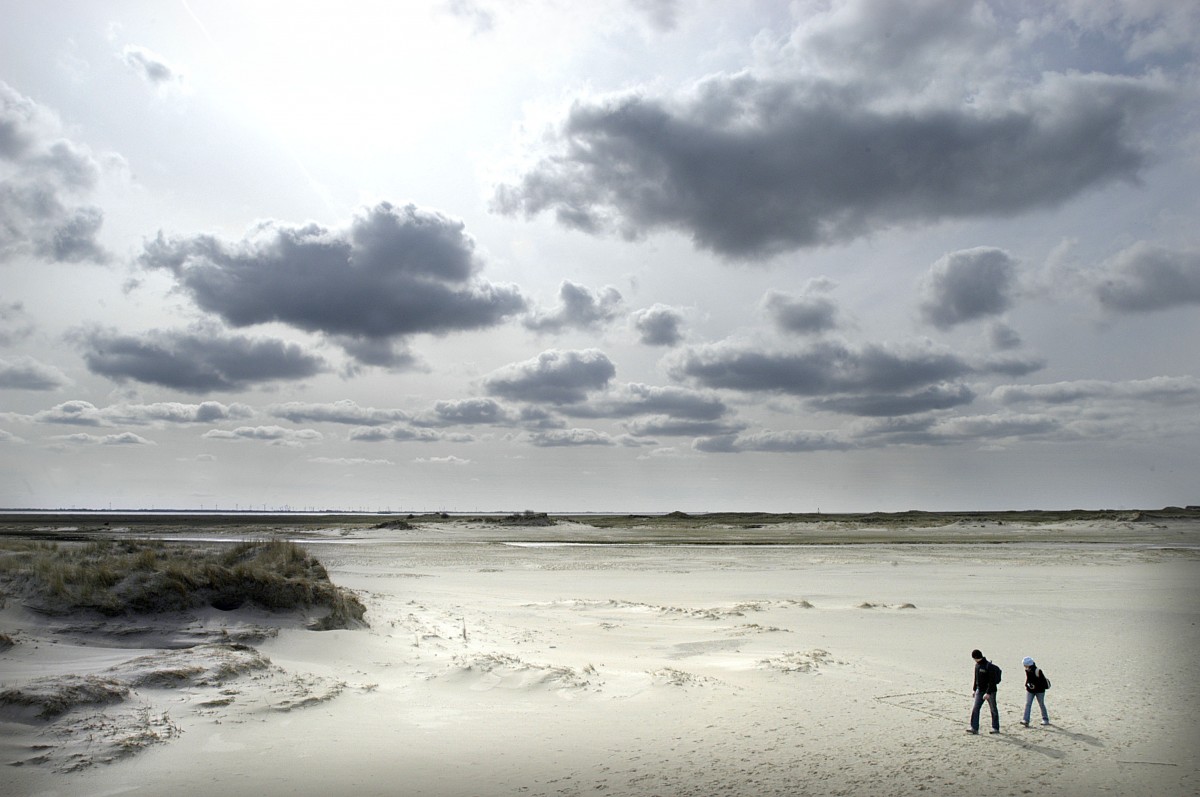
<point>136,577</point>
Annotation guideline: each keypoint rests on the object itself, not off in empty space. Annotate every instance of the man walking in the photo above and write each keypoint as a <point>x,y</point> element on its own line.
<point>987,677</point>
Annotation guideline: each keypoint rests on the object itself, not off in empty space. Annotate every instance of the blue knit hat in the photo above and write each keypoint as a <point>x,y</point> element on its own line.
<point>1028,662</point>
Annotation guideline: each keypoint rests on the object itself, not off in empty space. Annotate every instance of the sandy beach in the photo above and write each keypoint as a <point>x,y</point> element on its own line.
<point>571,660</point>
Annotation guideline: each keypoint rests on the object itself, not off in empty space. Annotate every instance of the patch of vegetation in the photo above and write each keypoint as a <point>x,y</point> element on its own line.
<point>54,695</point>
<point>126,577</point>
<point>527,518</point>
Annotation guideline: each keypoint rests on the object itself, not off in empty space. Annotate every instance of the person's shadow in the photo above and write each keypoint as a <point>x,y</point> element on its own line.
<point>1074,736</point>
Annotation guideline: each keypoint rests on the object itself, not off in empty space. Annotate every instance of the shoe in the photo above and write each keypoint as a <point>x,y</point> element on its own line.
<point>972,731</point>
<point>995,731</point>
<point>1045,722</point>
<point>1026,724</point>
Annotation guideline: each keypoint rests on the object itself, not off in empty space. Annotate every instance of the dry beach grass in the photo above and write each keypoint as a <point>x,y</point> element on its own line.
<point>651,655</point>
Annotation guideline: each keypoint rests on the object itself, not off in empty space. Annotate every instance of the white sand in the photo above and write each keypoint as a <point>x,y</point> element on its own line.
<point>679,670</point>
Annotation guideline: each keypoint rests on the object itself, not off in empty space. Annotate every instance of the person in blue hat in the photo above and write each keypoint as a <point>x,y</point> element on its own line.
<point>1036,684</point>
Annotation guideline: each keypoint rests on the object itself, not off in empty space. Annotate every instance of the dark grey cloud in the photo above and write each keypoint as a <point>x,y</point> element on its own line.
<point>807,314</point>
<point>1145,278</point>
<point>1160,390</point>
<point>579,308</point>
<point>150,66</point>
<point>199,360</point>
<point>935,397</point>
<point>553,377</point>
<point>752,167</point>
<point>968,285</point>
<point>343,412</point>
<point>379,352</point>
<point>821,369</point>
<point>26,373</point>
<point>177,412</point>
<point>658,325</point>
<point>44,178</point>
<point>390,273</point>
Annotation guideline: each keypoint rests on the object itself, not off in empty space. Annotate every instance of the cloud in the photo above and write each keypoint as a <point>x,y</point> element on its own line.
<point>658,325</point>
<point>807,314</point>
<point>935,397</point>
<point>391,272</point>
<point>1143,30</point>
<point>1159,389</point>
<point>42,175</point>
<point>272,435</point>
<point>553,377</point>
<point>927,430</point>
<point>26,373</point>
<point>634,399</point>
<point>475,14</point>
<point>151,67</point>
<point>200,360</point>
<point>122,439</point>
<point>10,438</point>
<point>823,368</point>
<point>1003,337</point>
<point>968,285</point>
<point>84,413</point>
<point>668,426</point>
<point>663,15</point>
<point>15,325</point>
<point>1145,278</point>
<point>176,412</point>
<point>751,167</point>
<point>788,442</point>
<point>447,460</point>
<point>570,438</point>
<point>404,433</point>
<point>579,308</point>
<point>344,411</point>
<point>74,413</point>
<point>468,412</point>
<point>343,461</point>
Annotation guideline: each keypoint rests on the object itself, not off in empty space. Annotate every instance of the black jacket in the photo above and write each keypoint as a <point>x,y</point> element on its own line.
<point>1035,680</point>
<point>985,678</point>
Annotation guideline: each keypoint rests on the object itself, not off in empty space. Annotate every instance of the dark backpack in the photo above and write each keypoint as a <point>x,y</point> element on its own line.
<point>996,673</point>
<point>1045,680</point>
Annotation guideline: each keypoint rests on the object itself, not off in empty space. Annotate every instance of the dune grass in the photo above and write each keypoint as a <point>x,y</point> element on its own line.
<point>132,577</point>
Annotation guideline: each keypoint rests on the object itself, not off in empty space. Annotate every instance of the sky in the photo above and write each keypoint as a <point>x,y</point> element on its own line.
<point>618,256</point>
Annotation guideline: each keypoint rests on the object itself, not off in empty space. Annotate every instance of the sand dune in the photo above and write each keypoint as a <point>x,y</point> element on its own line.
<point>497,669</point>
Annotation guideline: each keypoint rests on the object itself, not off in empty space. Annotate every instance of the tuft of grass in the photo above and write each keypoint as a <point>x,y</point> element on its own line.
<point>125,577</point>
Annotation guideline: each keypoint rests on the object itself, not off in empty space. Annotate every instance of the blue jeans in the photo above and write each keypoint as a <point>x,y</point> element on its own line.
<point>990,697</point>
<point>1041,699</point>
